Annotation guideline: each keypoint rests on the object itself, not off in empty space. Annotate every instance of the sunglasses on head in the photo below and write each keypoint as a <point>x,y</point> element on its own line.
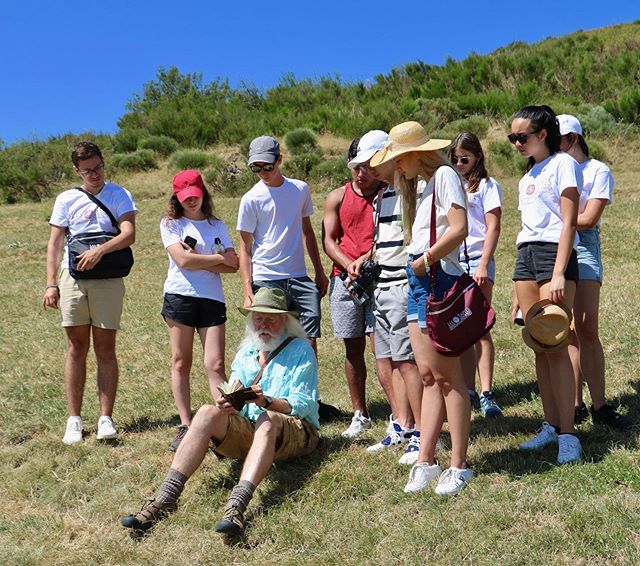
<point>520,138</point>
<point>266,167</point>
<point>463,159</point>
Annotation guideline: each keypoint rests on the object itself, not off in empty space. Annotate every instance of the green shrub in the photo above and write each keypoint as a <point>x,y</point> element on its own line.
<point>478,125</point>
<point>597,151</point>
<point>189,159</point>
<point>127,140</point>
<point>227,178</point>
<point>162,145</point>
<point>502,155</point>
<point>300,165</point>
<point>300,140</point>
<point>598,121</point>
<point>140,160</point>
<point>331,171</point>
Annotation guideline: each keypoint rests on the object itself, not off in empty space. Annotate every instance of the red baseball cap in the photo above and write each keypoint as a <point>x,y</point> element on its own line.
<point>188,184</point>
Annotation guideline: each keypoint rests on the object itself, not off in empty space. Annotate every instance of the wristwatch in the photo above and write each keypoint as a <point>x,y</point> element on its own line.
<point>267,401</point>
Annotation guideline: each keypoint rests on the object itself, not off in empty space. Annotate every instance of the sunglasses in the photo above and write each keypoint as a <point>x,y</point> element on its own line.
<point>267,167</point>
<point>464,160</point>
<point>520,138</point>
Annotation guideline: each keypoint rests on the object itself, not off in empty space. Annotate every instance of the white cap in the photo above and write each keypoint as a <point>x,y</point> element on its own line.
<point>369,144</point>
<point>569,124</point>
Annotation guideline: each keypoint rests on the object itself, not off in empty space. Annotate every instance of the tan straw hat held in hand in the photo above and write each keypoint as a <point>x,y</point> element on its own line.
<point>547,327</point>
<point>269,301</point>
<point>406,137</point>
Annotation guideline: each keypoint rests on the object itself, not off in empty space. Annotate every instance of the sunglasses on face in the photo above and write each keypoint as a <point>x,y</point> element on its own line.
<point>267,167</point>
<point>463,159</point>
<point>520,138</point>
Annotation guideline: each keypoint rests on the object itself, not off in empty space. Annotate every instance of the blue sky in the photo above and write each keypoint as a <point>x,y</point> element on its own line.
<point>72,67</point>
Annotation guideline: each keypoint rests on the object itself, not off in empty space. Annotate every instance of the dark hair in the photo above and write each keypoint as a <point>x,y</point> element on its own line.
<point>85,150</point>
<point>470,142</point>
<point>175,209</point>
<point>353,149</point>
<point>542,118</point>
<point>583,145</point>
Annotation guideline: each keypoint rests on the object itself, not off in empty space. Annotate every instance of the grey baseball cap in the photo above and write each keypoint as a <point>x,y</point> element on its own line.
<point>264,149</point>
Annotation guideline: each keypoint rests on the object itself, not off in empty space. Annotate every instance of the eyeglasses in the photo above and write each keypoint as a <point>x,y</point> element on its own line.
<point>520,138</point>
<point>463,159</point>
<point>88,172</point>
<point>266,167</point>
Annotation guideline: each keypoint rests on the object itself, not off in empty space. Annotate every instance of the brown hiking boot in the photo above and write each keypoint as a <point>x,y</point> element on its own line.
<point>182,430</point>
<point>232,522</point>
<point>149,515</point>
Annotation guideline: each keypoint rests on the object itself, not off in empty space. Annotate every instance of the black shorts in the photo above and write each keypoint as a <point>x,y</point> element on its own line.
<point>193,311</point>
<point>536,260</point>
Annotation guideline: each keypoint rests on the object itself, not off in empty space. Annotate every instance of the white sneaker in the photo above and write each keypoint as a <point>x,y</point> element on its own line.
<point>546,435</point>
<point>421,475</point>
<point>453,480</point>
<point>410,455</point>
<point>73,434</point>
<point>569,449</point>
<point>359,424</point>
<point>106,428</point>
<point>396,435</point>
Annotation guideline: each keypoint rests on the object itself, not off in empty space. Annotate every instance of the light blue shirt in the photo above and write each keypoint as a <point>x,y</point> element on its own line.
<point>291,375</point>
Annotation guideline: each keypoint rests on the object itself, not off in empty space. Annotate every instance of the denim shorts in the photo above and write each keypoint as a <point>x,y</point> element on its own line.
<point>471,267</point>
<point>535,262</point>
<point>589,255</point>
<point>419,290</point>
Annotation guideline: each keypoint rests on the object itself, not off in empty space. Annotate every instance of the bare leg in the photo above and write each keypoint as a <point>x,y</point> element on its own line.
<point>75,367</point>
<point>574,355</point>
<point>412,386</point>
<point>261,454</point>
<point>485,350</point>
<point>212,339</point>
<point>104,346</point>
<point>469,363</point>
<point>181,339</point>
<point>356,372</point>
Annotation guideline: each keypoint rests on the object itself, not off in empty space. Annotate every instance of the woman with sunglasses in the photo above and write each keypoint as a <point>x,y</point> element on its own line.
<point>484,199</point>
<point>199,249</point>
<point>547,264</point>
<point>586,352</point>
<point>444,389</point>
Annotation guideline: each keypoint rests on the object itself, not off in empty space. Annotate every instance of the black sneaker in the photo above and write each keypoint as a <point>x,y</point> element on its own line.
<point>607,415</point>
<point>149,515</point>
<point>232,522</point>
<point>581,414</point>
<point>182,430</point>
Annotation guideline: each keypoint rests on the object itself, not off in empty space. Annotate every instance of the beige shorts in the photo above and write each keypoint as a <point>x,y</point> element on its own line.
<point>297,439</point>
<point>91,301</point>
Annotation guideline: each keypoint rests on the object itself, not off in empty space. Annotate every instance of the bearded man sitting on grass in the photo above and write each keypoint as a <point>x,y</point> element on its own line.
<point>281,422</point>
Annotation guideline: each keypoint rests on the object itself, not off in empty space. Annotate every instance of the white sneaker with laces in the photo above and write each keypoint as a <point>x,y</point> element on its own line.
<point>546,435</point>
<point>569,449</point>
<point>73,433</point>
<point>453,480</point>
<point>410,455</point>
<point>106,428</point>
<point>395,435</point>
<point>421,475</point>
<point>359,424</point>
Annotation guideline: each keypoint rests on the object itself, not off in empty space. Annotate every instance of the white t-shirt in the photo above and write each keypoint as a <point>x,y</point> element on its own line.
<point>273,215</point>
<point>539,202</point>
<point>449,191</point>
<point>194,282</point>
<point>79,214</point>
<point>598,183</point>
<point>488,197</point>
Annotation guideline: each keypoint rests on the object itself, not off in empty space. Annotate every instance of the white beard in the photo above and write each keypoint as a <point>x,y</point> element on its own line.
<point>267,342</point>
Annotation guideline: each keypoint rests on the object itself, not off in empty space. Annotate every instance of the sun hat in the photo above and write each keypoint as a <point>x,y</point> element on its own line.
<point>187,184</point>
<point>547,327</point>
<point>371,142</point>
<point>264,149</point>
<point>406,137</point>
<point>270,301</point>
<point>569,124</point>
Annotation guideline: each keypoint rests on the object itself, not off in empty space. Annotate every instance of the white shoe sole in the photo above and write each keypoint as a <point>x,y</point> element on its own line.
<point>70,442</point>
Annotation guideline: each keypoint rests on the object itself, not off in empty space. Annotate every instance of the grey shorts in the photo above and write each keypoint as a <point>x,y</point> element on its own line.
<point>392,330</point>
<point>350,320</point>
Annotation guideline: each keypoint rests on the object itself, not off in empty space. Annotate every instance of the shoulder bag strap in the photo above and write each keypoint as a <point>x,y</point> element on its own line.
<point>272,355</point>
<point>102,206</point>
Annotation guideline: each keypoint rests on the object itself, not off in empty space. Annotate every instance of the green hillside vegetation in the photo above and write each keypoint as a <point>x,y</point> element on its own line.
<point>593,74</point>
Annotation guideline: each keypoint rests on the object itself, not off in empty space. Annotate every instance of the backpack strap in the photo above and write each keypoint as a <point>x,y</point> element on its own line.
<point>102,206</point>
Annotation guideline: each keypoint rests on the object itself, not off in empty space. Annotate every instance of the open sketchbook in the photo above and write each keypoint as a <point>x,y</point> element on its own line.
<point>236,393</point>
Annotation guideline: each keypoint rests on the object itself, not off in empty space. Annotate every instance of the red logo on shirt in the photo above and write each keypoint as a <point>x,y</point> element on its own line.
<point>531,189</point>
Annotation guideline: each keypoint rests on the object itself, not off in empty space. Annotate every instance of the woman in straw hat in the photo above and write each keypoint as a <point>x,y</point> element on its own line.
<point>413,155</point>
<point>546,263</point>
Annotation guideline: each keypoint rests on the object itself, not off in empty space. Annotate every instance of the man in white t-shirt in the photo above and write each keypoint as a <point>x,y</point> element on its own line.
<point>89,307</point>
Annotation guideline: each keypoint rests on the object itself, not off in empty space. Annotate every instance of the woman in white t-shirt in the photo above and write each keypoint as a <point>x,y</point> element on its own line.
<point>445,392</point>
<point>199,249</point>
<point>586,351</point>
<point>546,263</point>
<point>484,210</point>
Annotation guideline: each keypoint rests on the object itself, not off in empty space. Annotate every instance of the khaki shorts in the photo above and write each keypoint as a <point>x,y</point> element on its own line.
<point>297,439</point>
<point>91,301</point>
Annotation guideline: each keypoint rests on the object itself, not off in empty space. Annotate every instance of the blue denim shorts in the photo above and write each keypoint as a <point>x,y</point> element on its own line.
<point>419,290</point>
<point>471,267</point>
<point>589,255</point>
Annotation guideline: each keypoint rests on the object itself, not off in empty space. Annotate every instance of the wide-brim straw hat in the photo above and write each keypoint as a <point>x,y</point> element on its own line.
<point>273,301</point>
<point>547,327</point>
<point>404,138</point>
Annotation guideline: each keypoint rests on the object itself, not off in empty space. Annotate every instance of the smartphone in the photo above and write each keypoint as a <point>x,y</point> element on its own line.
<point>519,320</point>
<point>191,242</point>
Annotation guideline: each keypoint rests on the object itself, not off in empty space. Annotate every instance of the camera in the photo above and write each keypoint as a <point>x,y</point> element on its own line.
<point>359,288</point>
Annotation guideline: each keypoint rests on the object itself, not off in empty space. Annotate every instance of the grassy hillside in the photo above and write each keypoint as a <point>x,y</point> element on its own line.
<point>342,505</point>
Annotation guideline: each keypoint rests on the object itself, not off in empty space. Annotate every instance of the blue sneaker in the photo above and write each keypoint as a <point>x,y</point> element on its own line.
<point>488,405</point>
<point>396,436</point>
<point>410,456</point>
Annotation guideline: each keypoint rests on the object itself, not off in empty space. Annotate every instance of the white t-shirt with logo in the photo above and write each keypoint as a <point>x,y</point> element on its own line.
<point>75,211</point>
<point>598,183</point>
<point>273,215</point>
<point>488,197</point>
<point>449,191</point>
<point>539,198</point>
<point>209,234</point>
